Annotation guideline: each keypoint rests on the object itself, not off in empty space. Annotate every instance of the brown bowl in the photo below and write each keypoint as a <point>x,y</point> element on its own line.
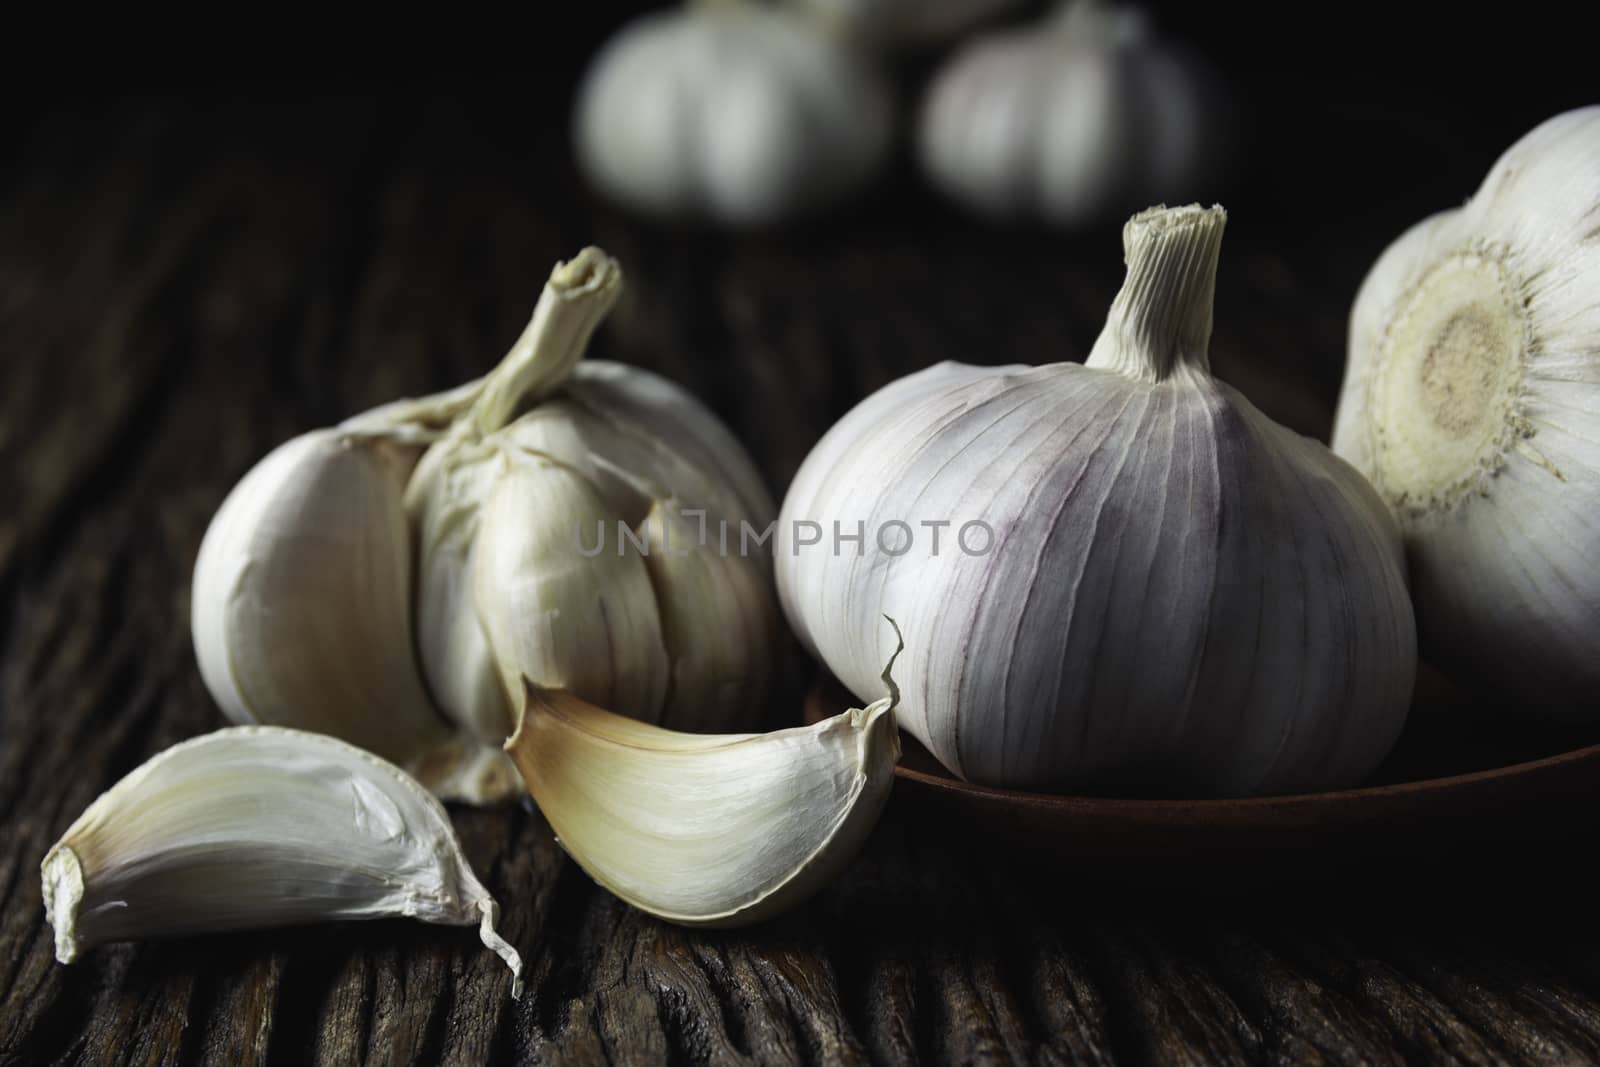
<point>1463,779</point>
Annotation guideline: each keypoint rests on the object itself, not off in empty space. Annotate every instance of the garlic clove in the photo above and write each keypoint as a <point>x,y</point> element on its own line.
<point>254,827</point>
<point>718,615</point>
<point>706,830</point>
<point>562,595</point>
<point>456,657</point>
<point>301,611</point>
<point>689,441</point>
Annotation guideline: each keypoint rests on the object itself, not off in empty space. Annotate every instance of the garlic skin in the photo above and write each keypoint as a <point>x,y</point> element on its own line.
<point>555,456</point>
<point>1179,594</point>
<point>301,610</point>
<point>1076,121</point>
<point>1472,401</point>
<point>741,113</point>
<point>253,827</point>
<point>707,830</point>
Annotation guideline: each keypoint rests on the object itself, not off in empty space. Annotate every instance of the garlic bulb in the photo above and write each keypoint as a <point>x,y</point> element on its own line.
<point>1077,121</point>
<point>536,515</point>
<point>707,830</point>
<point>1113,576</point>
<point>254,827</point>
<point>889,22</point>
<point>1472,401</point>
<point>732,110</point>
<point>301,610</point>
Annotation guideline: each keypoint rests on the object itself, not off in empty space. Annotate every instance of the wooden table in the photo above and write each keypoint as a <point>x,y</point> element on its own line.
<point>185,282</point>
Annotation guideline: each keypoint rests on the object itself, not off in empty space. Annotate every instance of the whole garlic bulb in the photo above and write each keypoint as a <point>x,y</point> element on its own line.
<point>1139,579</point>
<point>1076,121</point>
<point>569,527</point>
<point>1472,401</point>
<point>741,113</point>
<point>891,22</point>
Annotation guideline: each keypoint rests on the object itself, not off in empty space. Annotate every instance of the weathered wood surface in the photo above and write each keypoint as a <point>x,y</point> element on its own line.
<point>182,286</point>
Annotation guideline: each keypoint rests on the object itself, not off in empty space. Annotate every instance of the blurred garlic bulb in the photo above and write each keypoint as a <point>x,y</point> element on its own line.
<point>301,610</point>
<point>1111,576</point>
<point>1472,401</point>
<point>568,525</point>
<point>892,22</point>
<point>735,111</point>
<point>1079,120</point>
<point>255,827</point>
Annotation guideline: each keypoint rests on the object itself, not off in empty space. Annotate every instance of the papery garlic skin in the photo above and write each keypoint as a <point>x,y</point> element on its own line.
<point>555,454</point>
<point>739,112</point>
<point>1180,595</point>
<point>707,830</point>
<point>253,827</point>
<point>1077,121</point>
<point>1472,401</point>
<point>301,610</point>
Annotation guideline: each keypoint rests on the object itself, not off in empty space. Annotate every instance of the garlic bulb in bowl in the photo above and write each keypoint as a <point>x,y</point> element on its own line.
<point>737,112</point>
<point>1077,121</point>
<point>1115,576</point>
<point>1472,401</point>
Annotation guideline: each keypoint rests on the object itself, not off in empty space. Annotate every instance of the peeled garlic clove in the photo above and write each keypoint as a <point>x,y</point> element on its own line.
<point>718,611</point>
<point>706,830</point>
<point>301,611</point>
<point>1472,401</point>
<point>562,595</point>
<point>253,827</point>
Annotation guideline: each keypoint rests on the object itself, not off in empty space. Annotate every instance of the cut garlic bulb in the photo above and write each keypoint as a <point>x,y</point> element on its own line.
<point>253,827</point>
<point>1117,576</point>
<point>707,830</point>
<point>1472,401</point>
<point>301,611</point>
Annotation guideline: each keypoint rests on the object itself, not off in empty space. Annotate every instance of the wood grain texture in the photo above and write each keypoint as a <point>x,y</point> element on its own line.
<point>186,282</point>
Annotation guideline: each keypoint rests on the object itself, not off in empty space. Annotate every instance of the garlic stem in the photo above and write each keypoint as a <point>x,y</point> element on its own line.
<point>579,294</point>
<point>1161,320</point>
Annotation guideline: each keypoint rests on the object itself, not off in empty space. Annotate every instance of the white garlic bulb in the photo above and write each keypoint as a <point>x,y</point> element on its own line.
<point>254,827</point>
<point>1472,401</point>
<point>1111,576</point>
<point>545,520</point>
<point>734,111</point>
<point>891,22</point>
<point>301,611</point>
<point>1077,121</point>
